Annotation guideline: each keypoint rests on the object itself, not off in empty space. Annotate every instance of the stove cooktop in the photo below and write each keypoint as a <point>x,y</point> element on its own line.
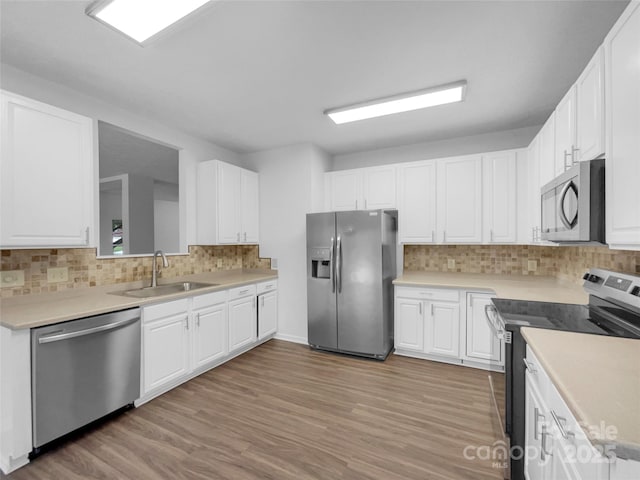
<point>599,317</point>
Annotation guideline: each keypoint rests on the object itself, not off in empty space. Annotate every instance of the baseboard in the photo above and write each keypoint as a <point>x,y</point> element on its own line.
<point>291,338</point>
<point>9,464</point>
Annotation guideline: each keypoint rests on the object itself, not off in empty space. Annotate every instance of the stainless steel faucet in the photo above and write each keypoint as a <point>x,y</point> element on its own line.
<point>154,273</point>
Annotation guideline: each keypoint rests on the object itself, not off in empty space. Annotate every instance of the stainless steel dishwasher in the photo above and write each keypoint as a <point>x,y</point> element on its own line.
<point>82,370</point>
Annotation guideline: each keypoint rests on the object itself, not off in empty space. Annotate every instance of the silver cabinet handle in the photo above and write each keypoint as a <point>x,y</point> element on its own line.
<point>88,331</point>
<point>529,366</point>
<point>339,264</point>
<point>198,319</point>
<point>238,237</point>
<point>86,236</point>
<point>433,236</point>
<point>573,155</point>
<point>420,308</point>
<point>560,421</point>
<point>444,236</point>
<point>242,292</point>
<point>356,204</point>
<point>432,309</point>
<point>245,237</point>
<point>254,302</point>
<point>263,301</point>
<point>186,323</point>
<point>566,155</point>
<point>491,235</point>
<point>365,203</point>
<point>536,416</point>
<point>332,266</point>
<point>543,443</point>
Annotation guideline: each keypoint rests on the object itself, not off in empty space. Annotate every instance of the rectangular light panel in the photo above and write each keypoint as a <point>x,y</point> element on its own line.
<point>402,103</point>
<point>141,19</point>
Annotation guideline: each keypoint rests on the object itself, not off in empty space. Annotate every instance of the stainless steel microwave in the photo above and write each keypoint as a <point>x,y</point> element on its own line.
<point>573,205</point>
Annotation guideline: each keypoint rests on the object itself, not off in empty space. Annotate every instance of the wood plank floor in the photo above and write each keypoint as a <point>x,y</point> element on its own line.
<point>282,411</point>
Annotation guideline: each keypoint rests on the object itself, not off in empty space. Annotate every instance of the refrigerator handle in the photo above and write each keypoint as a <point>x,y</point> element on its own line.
<point>339,265</point>
<point>332,266</point>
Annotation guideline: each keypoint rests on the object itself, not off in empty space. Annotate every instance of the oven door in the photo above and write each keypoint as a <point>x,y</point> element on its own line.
<point>497,386</point>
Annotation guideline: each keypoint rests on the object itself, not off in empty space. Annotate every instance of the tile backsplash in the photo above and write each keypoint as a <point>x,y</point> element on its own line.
<point>85,270</point>
<point>567,263</point>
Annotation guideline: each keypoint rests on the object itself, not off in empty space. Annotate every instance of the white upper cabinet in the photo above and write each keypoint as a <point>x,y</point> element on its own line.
<point>590,110</point>
<point>361,189</point>
<point>459,202</point>
<point>565,127</point>
<point>546,151</point>
<point>417,203</point>
<point>499,191</point>
<point>622,171</point>
<point>46,175</point>
<point>228,204</point>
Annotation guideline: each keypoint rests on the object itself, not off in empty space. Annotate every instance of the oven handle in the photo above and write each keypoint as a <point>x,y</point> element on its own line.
<point>561,213</point>
<point>491,313</point>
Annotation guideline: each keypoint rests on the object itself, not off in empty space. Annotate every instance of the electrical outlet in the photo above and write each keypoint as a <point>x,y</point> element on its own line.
<point>57,274</point>
<point>451,263</point>
<point>12,278</point>
<point>532,265</point>
<point>274,264</point>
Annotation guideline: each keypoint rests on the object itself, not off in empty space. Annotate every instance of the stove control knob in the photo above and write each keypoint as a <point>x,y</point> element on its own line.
<point>591,278</point>
<point>635,291</point>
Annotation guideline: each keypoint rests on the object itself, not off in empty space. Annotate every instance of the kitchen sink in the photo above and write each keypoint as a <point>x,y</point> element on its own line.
<point>166,289</point>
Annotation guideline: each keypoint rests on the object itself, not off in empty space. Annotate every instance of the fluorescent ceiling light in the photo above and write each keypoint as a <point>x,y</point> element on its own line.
<point>141,19</point>
<point>453,92</point>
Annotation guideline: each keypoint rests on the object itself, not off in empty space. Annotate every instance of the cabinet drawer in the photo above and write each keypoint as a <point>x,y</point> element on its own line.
<point>263,287</point>
<point>442,294</point>
<point>244,291</point>
<point>162,310</point>
<point>208,299</point>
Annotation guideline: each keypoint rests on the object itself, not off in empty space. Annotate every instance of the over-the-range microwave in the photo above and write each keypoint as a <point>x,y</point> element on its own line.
<point>573,205</point>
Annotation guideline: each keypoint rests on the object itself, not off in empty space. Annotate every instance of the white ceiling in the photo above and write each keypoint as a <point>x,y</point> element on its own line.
<point>253,75</point>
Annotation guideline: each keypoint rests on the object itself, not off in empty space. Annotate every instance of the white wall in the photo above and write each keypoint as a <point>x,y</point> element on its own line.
<point>291,185</point>
<point>489,142</point>
<point>192,149</point>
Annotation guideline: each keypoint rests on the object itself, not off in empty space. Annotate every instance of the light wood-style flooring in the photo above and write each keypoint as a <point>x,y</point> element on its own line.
<point>282,411</point>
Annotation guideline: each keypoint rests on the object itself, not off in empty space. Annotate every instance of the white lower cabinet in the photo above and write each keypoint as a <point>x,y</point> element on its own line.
<point>210,328</point>
<point>267,309</point>
<point>183,338</point>
<point>242,318</point>
<point>556,446</point>
<point>482,344</point>
<point>165,336</point>
<point>433,323</point>
<point>442,329</point>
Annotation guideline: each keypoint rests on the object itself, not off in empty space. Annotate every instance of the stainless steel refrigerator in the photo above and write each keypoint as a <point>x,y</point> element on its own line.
<point>351,262</point>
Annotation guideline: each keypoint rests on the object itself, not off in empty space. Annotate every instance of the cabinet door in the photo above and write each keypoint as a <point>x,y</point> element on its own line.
<point>547,152</point>
<point>250,206</point>
<point>482,341</point>
<point>590,109</point>
<point>46,175</point>
<point>166,350</point>
<point>228,203</point>
<point>499,190</point>
<point>242,323</point>
<point>417,203</point>
<point>533,196</point>
<point>536,461</point>
<point>442,329</point>
<point>379,185</point>
<point>622,70</point>
<point>460,200</point>
<point>267,314</point>
<point>210,334</point>
<point>565,121</point>
<point>409,324</point>
<point>345,190</point>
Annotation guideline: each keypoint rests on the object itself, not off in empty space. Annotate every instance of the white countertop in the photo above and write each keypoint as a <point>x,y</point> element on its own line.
<point>520,287</point>
<point>29,311</point>
<point>598,377</point>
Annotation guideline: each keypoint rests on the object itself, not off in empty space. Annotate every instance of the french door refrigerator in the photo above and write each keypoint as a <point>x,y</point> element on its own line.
<point>351,262</point>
